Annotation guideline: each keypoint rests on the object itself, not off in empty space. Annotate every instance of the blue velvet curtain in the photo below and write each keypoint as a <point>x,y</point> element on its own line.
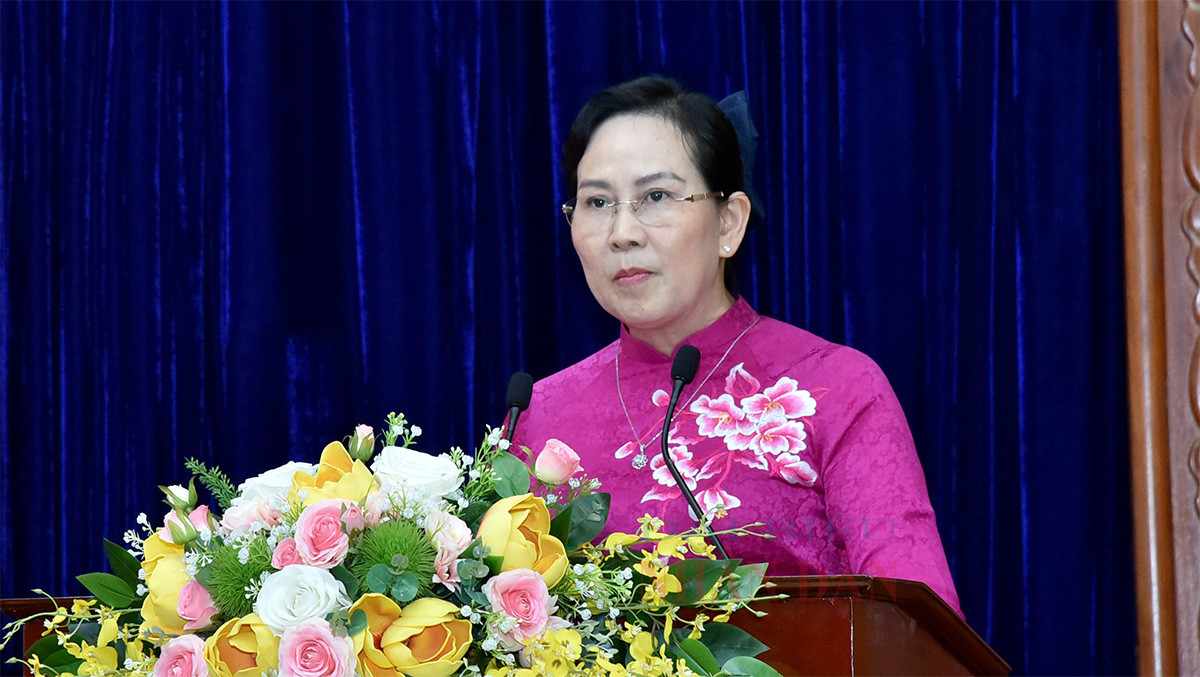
<point>235,230</point>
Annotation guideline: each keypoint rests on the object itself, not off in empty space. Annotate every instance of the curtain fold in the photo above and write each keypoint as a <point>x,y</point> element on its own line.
<point>234,230</point>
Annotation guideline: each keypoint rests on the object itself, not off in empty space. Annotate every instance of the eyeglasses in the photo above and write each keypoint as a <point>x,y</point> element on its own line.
<point>655,208</point>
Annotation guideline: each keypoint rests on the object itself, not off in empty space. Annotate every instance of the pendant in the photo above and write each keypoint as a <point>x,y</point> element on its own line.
<point>639,461</point>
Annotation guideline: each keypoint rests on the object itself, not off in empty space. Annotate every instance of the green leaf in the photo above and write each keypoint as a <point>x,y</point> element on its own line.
<point>698,576</point>
<point>727,641</point>
<point>510,475</point>
<point>51,654</point>
<point>745,666</point>
<point>110,590</point>
<point>347,579</point>
<point>358,622</point>
<point>471,568</point>
<point>404,588</point>
<point>582,520</point>
<point>124,565</point>
<point>379,579</point>
<point>747,580</point>
<point>494,562</point>
<point>697,656</point>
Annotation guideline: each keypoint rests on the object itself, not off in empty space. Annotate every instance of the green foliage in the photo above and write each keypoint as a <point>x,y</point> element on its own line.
<point>745,581</point>
<point>746,666</point>
<point>347,580</point>
<point>698,576</point>
<point>110,590</point>
<point>217,482</point>
<point>510,475</point>
<point>696,655</point>
<point>380,547</point>
<point>226,578</point>
<point>582,520</point>
<point>725,641</point>
<point>124,565</point>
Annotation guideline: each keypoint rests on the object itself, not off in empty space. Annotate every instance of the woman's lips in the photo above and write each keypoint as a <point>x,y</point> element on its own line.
<point>631,277</point>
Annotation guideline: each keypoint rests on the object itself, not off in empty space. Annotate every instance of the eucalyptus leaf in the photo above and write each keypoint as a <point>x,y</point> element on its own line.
<point>510,475</point>
<point>404,587</point>
<point>358,622</point>
<point>379,579</point>
<point>745,666</point>
<point>124,565</point>
<point>471,569</point>
<point>582,520</point>
<point>110,590</point>
<point>697,577</point>
<point>697,656</point>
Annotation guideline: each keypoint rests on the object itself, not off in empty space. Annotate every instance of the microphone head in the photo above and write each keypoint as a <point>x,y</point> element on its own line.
<point>687,360</point>
<point>520,391</point>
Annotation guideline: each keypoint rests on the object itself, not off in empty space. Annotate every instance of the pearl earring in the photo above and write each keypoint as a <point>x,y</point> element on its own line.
<point>726,249</point>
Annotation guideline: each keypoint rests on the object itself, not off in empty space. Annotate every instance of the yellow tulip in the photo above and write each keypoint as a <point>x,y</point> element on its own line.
<point>381,612</point>
<point>517,528</point>
<point>429,639</point>
<point>165,577</point>
<point>242,647</point>
<point>338,476</point>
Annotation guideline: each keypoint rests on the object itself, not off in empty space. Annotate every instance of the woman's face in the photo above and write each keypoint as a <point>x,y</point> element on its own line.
<point>652,277</point>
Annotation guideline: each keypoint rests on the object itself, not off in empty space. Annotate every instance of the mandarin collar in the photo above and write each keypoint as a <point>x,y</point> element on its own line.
<point>715,336</point>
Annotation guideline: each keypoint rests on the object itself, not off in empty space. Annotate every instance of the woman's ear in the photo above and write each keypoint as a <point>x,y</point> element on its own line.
<point>735,215</point>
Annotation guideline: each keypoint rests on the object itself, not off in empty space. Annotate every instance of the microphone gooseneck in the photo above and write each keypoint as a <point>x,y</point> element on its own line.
<point>683,370</point>
<point>520,391</point>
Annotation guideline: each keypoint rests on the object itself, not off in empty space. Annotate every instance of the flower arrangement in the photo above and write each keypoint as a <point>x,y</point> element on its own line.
<point>415,565</point>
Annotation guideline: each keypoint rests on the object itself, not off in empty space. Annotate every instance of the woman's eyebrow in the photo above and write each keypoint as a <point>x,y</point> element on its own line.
<point>656,176</point>
<point>594,183</point>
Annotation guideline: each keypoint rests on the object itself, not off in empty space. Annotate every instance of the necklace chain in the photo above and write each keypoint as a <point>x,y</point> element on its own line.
<point>639,461</point>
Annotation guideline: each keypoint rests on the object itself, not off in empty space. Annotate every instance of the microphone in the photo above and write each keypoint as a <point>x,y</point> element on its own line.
<point>683,370</point>
<point>520,391</point>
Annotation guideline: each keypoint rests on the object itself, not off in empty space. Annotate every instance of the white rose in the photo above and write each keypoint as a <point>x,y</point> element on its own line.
<point>272,486</point>
<point>297,594</point>
<point>416,475</point>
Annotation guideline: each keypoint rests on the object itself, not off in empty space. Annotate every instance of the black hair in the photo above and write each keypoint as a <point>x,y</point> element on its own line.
<point>708,136</point>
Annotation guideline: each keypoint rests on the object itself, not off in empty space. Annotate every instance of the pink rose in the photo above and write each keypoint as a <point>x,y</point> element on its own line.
<point>195,606</point>
<point>182,657</point>
<point>311,650</point>
<point>321,538</point>
<point>452,536</point>
<point>556,463</point>
<point>198,520</point>
<point>244,514</point>
<point>285,554</point>
<point>520,594</point>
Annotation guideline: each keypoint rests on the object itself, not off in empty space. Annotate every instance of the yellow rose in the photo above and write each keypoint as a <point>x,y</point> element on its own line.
<point>517,528</point>
<point>165,577</point>
<point>425,639</point>
<point>242,647</point>
<point>338,476</point>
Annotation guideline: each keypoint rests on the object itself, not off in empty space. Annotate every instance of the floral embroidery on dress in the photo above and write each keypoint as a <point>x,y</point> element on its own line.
<point>762,428</point>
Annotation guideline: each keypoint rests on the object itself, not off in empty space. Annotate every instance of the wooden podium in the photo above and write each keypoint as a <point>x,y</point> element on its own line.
<point>859,625</point>
<point>829,625</point>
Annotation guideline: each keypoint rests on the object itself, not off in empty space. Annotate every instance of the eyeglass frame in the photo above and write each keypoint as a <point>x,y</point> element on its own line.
<point>568,207</point>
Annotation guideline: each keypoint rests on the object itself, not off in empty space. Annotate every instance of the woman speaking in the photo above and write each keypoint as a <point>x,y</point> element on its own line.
<point>778,426</point>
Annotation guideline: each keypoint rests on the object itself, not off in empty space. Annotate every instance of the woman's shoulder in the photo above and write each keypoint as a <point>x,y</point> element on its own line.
<point>578,375</point>
<point>798,350</point>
